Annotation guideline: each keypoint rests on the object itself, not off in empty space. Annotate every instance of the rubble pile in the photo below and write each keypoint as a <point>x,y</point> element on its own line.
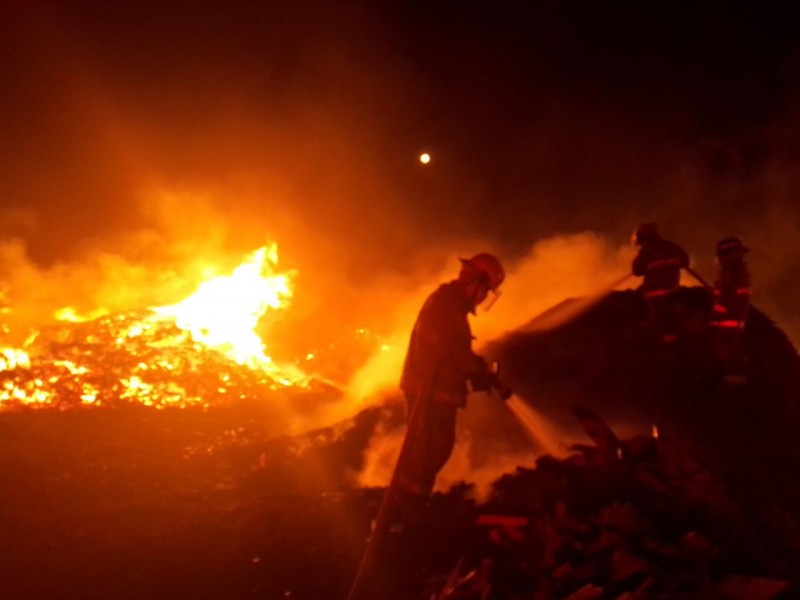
<point>703,506</point>
<point>638,518</point>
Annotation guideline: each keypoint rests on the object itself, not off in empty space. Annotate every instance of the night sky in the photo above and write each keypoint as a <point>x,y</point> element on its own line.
<point>305,119</point>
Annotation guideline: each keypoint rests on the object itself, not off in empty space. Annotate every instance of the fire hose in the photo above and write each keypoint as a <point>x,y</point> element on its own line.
<point>361,585</point>
<point>699,279</point>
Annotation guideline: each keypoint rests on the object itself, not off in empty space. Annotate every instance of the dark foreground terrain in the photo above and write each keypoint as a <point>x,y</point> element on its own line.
<point>137,503</point>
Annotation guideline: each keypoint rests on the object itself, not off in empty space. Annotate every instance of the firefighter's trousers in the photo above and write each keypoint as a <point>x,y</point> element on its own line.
<point>431,445</point>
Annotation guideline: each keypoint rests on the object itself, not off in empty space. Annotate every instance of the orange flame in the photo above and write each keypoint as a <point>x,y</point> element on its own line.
<point>224,311</point>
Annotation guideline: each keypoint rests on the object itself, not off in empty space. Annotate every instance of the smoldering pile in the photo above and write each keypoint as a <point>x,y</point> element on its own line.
<point>635,518</point>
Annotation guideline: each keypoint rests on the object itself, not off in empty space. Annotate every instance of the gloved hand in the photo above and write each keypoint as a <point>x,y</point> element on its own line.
<point>482,382</point>
<point>488,379</point>
<point>503,390</point>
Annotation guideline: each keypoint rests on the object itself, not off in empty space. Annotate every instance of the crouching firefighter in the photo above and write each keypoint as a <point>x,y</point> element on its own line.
<point>659,261</point>
<point>731,305</point>
<point>440,368</point>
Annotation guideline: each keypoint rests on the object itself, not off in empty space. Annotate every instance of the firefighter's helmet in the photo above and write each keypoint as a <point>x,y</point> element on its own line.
<point>730,245</point>
<point>485,267</point>
<point>644,233</point>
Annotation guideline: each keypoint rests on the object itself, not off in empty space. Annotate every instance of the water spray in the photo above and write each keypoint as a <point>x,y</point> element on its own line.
<point>568,311</point>
<point>535,426</point>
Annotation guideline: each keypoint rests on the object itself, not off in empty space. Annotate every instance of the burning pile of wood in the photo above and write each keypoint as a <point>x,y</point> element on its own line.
<point>133,357</point>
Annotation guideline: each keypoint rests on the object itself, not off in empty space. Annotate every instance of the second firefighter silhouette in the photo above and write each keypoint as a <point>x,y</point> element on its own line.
<point>659,261</point>
<point>731,305</point>
<point>440,368</point>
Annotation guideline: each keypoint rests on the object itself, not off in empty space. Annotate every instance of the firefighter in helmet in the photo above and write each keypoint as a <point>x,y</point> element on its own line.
<point>659,262</point>
<point>731,305</point>
<point>440,369</point>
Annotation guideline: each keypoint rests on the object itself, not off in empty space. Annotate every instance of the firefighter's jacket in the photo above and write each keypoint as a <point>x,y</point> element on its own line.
<point>731,293</point>
<point>440,359</point>
<point>660,262</point>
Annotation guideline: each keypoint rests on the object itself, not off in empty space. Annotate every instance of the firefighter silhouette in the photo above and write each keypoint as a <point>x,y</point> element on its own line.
<point>659,262</point>
<point>731,305</point>
<point>439,365</point>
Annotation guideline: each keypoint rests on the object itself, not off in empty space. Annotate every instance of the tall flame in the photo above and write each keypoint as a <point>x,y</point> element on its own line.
<point>224,311</point>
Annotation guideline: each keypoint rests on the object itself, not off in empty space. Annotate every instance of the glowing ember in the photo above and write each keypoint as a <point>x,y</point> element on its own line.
<point>424,158</point>
<point>11,358</point>
<point>68,313</point>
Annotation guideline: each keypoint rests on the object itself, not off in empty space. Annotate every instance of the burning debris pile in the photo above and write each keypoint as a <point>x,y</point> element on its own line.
<point>131,357</point>
<point>199,352</point>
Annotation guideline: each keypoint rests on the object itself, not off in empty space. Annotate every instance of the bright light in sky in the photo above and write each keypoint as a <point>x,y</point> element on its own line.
<point>424,158</point>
